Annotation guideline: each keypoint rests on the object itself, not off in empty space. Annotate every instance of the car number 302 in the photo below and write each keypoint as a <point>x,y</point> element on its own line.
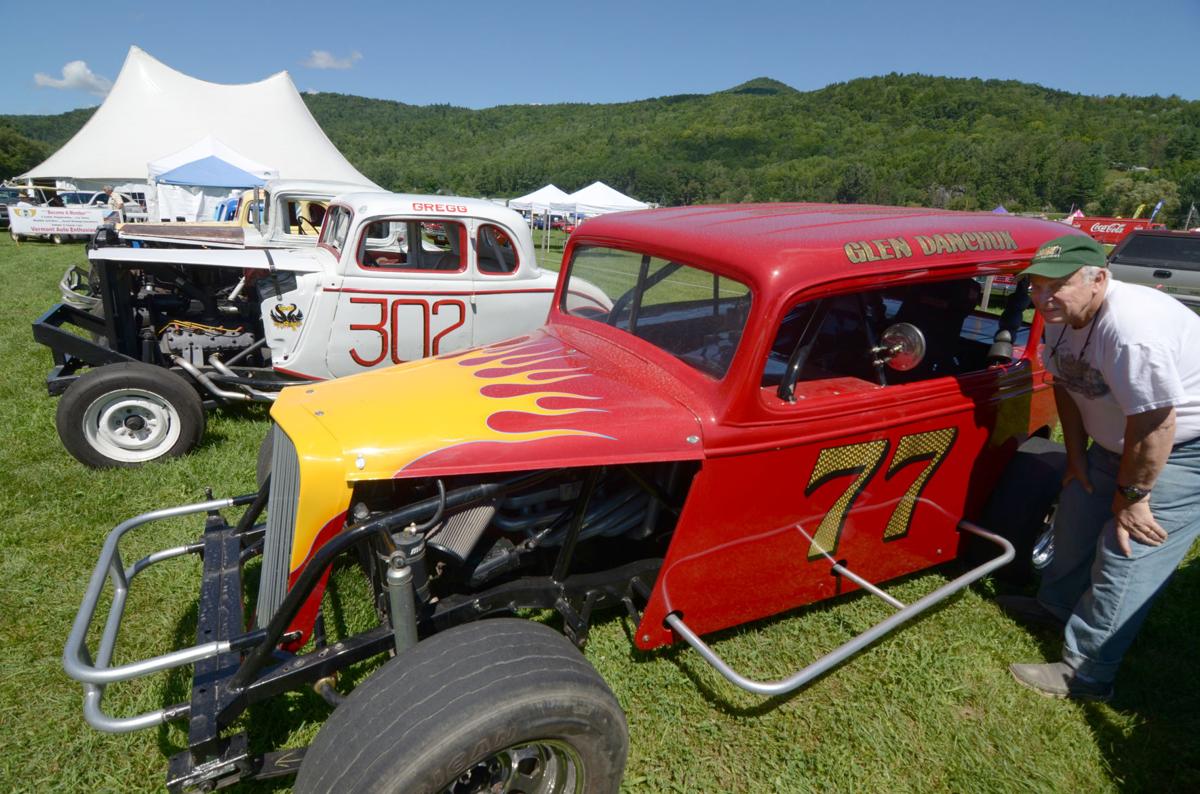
<point>862,461</point>
<point>391,331</point>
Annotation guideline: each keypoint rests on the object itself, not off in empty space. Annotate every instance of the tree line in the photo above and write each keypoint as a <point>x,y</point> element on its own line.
<point>894,139</point>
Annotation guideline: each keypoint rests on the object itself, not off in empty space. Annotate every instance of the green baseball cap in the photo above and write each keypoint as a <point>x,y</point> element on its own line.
<point>1062,256</point>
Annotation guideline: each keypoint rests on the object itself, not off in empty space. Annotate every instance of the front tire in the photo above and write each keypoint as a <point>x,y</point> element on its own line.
<point>124,415</point>
<point>499,705</point>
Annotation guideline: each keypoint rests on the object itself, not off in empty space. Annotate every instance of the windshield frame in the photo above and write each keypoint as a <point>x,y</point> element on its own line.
<point>697,315</point>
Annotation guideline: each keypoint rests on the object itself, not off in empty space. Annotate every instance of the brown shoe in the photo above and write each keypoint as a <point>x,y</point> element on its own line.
<point>1058,680</point>
<point>1027,610</point>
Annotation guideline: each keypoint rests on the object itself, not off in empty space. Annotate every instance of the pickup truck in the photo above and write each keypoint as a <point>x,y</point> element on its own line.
<point>731,412</point>
<point>153,336</point>
<point>1165,260</point>
<point>295,209</point>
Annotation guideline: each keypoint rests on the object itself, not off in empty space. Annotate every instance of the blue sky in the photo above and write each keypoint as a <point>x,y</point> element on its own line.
<point>481,54</point>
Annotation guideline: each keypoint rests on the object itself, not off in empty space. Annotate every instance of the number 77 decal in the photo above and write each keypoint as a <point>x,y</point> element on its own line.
<point>863,461</point>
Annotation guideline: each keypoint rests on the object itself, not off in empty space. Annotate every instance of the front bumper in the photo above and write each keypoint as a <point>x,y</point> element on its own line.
<point>220,545</point>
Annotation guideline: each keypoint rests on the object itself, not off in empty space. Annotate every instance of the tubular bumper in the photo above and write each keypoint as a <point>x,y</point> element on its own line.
<point>95,675</point>
<point>837,656</point>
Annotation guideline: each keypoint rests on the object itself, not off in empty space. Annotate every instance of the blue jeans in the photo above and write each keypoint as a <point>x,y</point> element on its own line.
<point>1103,595</point>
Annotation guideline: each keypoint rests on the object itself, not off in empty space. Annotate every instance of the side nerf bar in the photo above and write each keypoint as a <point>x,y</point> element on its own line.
<point>848,649</point>
<point>77,661</point>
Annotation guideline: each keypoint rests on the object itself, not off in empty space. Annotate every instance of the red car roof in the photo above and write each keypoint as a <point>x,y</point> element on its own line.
<point>791,243</point>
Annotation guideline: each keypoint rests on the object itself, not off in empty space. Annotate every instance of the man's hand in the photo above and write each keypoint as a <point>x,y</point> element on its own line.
<point>1135,521</point>
<point>1077,470</point>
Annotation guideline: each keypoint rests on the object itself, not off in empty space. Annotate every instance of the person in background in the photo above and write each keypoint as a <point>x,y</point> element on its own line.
<point>115,202</point>
<point>1126,365</point>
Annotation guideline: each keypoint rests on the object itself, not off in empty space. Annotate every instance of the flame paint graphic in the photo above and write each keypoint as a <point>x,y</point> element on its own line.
<point>523,392</point>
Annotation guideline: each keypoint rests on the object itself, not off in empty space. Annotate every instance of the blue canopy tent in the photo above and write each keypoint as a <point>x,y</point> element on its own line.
<point>191,182</point>
<point>210,171</point>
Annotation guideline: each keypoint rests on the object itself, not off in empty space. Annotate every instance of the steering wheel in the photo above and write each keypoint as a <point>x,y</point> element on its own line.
<point>301,220</point>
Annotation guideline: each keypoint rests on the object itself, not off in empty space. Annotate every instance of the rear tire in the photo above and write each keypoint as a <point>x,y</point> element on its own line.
<point>123,415</point>
<point>499,705</point>
<point>1020,505</point>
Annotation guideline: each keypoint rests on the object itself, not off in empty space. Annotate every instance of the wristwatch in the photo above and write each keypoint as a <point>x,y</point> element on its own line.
<point>1132,493</point>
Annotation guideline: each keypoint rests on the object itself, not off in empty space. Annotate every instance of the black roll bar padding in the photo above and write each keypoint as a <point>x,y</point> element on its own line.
<point>324,557</point>
<point>796,361</point>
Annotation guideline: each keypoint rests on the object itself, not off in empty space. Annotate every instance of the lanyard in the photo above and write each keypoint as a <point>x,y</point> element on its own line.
<point>1087,341</point>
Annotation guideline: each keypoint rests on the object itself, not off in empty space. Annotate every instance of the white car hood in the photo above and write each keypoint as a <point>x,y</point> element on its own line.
<point>291,260</point>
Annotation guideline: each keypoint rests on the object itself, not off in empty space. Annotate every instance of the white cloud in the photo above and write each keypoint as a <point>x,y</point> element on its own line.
<point>76,76</point>
<point>324,59</point>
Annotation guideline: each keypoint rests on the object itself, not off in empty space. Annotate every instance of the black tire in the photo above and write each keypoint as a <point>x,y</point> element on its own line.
<point>442,710</point>
<point>1019,505</point>
<point>124,415</point>
<point>58,239</point>
<point>262,467</point>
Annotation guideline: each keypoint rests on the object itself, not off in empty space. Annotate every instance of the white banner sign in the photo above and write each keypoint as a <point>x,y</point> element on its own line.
<point>27,220</point>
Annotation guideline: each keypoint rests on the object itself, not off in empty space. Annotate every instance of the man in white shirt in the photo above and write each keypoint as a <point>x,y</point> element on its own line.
<point>1126,365</point>
<point>115,203</point>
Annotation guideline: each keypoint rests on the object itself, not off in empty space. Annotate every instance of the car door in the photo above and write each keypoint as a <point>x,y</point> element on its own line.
<point>508,299</point>
<point>405,295</point>
<point>851,460</point>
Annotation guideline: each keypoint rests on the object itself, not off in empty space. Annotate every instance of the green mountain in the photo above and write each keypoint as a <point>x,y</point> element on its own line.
<point>897,139</point>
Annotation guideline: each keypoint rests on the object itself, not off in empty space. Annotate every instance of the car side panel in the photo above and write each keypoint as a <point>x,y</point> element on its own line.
<point>883,494</point>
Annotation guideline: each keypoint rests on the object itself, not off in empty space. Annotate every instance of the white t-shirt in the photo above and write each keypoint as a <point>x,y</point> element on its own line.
<point>1143,353</point>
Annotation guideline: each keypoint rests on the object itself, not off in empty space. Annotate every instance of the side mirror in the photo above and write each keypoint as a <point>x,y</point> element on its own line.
<point>902,347</point>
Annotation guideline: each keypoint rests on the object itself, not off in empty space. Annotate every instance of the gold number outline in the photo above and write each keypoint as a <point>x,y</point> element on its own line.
<point>862,459</point>
<point>933,446</point>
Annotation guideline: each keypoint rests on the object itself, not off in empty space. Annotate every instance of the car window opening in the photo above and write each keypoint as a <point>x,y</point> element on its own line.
<point>838,337</point>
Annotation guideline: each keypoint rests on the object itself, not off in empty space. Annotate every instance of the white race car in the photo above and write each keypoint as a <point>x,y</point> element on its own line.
<point>170,331</point>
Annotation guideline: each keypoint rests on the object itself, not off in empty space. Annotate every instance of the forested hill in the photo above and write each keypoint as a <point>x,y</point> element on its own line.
<point>901,139</point>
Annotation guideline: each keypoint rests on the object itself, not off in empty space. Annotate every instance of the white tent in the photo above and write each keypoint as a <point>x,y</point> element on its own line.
<point>539,200</point>
<point>598,199</point>
<point>154,112</point>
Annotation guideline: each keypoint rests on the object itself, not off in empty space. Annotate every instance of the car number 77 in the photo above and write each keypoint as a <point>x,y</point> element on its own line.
<point>863,460</point>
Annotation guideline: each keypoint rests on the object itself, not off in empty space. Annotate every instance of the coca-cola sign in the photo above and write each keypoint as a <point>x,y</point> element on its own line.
<point>1111,230</point>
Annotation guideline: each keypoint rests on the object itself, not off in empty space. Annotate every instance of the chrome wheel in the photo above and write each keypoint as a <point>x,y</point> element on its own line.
<point>543,767</point>
<point>131,425</point>
<point>1043,547</point>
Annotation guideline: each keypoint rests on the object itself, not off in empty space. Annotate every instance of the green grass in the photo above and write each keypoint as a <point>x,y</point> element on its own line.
<point>931,708</point>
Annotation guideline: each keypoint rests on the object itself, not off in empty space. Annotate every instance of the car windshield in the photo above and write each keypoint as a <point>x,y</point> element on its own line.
<point>693,314</point>
<point>1182,251</point>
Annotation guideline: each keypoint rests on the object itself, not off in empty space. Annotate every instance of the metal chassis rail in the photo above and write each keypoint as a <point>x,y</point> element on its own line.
<point>830,660</point>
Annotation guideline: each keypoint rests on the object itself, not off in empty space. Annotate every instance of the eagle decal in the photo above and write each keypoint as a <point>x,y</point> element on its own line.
<point>287,315</point>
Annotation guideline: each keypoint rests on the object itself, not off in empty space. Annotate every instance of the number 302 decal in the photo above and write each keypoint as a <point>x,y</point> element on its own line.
<point>863,461</point>
<point>391,330</point>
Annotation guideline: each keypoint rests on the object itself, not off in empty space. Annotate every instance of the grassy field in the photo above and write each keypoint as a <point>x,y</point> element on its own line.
<point>929,709</point>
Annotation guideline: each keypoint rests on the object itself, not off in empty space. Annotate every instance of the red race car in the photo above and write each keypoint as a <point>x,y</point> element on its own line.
<point>731,411</point>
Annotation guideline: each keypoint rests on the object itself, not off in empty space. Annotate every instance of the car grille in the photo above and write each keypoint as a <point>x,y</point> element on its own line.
<point>281,521</point>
